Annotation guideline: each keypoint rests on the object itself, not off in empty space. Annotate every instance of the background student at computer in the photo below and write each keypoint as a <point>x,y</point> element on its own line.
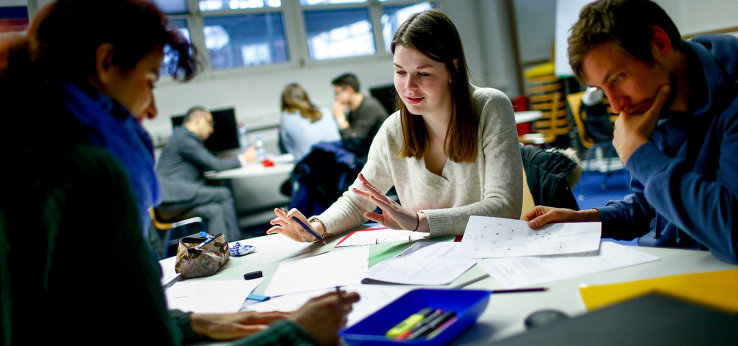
<point>451,151</point>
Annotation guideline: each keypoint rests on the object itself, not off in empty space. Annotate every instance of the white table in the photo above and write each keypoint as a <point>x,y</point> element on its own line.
<point>256,190</point>
<point>505,313</point>
<point>527,116</point>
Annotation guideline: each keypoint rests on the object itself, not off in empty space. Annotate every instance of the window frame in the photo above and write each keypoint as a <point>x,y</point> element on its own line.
<point>295,33</point>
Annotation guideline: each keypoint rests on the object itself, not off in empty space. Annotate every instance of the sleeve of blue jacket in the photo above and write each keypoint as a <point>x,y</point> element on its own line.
<point>705,208</point>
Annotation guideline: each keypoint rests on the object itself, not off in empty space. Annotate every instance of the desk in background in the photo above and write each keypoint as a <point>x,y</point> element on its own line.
<point>256,190</point>
<point>505,313</point>
<point>524,120</point>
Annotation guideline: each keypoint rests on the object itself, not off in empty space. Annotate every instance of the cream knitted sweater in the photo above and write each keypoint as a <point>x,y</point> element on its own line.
<point>490,186</point>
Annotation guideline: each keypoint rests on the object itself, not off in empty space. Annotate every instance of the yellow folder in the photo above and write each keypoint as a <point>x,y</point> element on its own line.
<point>716,289</point>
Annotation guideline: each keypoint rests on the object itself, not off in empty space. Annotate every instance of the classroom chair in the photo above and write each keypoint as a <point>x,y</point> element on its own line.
<point>601,150</point>
<point>164,236</point>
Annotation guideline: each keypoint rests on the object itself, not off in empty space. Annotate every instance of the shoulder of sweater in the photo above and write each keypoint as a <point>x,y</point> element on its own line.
<point>486,95</point>
<point>390,133</point>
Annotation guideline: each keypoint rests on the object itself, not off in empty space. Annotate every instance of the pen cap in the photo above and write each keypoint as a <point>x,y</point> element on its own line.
<point>252,275</point>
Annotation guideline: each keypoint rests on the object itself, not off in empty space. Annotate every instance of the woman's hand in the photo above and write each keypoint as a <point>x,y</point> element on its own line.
<point>541,216</point>
<point>290,228</point>
<point>393,214</point>
<point>324,315</point>
<point>235,325</point>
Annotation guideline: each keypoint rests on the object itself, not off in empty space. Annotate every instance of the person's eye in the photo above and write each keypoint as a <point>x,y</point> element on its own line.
<point>423,74</point>
<point>617,80</point>
<point>400,72</point>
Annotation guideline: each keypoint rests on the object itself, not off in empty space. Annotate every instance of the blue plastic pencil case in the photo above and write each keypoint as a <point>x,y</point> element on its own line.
<point>467,304</point>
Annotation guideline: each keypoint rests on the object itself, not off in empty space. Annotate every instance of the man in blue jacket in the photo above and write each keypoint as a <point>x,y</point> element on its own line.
<point>677,132</point>
<point>180,169</point>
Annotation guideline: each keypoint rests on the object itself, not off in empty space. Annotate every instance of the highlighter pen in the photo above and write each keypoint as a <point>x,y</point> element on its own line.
<point>433,325</point>
<point>421,324</point>
<point>408,323</point>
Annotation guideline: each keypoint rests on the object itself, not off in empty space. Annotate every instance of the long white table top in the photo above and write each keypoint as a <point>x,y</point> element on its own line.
<point>505,313</point>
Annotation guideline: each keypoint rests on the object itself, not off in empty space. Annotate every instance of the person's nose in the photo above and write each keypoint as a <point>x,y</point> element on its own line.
<point>411,83</point>
<point>617,100</point>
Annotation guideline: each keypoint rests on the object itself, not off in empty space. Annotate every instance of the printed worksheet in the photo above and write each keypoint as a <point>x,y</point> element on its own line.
<point>373,298</point>
<point>489,237</point>
<point>379,235</point>
<point>527,271</point>
<point>336,268</point>
<point>209,296</point>
<point>423,263</point>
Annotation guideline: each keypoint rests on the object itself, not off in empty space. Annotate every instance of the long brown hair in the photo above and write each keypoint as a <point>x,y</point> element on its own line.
<point>433,34</point>
<point>294,97</point>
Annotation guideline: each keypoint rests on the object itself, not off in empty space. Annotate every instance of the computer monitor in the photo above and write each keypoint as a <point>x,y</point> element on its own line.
<point>385,94</point>
<point>225,134</point>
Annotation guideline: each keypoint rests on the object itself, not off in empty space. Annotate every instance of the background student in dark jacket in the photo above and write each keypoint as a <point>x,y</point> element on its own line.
<point>181,168</point>
<point>358,116</point>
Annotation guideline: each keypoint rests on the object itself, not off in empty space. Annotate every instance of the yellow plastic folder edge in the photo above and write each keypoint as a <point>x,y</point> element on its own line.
<point>714,289</point>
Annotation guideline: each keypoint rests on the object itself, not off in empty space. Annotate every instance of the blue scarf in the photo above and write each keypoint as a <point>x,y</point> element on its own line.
<point>113,127</point>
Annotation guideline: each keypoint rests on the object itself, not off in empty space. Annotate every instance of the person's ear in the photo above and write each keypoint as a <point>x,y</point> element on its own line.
<point>456,71</point>
<point>104,63</point>
<point>660,40</point>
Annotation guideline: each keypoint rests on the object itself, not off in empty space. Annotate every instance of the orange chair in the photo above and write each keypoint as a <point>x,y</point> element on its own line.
<point>598,149</point>
<point>171,232</point>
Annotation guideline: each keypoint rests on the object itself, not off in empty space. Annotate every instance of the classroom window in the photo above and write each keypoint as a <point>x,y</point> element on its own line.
<point>394,16</point>
<point>181,26</point>
<point>172,6</point>
<point>247,33</point>
<point>328,2</point>
<point>218,5</point>
<point>245,40</point>
<point>335,34</point>
<point>13,18</point>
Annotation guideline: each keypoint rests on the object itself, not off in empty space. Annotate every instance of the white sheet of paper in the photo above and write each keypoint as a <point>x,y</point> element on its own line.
<point>378,236</point>
<point>210,296</point>
<point>373,298</point>
<point>489,237</point>
<point>336,268</point>
<point>423,263</point>
<point>526,271</point>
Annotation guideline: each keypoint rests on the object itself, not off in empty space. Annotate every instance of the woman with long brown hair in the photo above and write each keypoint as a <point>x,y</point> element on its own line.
<point>451,151</point>
<point>303,123</point>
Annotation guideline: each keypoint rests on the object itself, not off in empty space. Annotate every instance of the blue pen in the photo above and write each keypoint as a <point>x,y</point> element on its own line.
<point>208,240</point>
<point>306,227</point>
<point>309,229</point>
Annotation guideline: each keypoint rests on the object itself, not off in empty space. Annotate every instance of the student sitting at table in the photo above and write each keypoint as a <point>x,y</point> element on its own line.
<point>304,124</point>
<point>450,152</point>
<point>74,265</point>
<point>181,169</point>
<point>677,132</point>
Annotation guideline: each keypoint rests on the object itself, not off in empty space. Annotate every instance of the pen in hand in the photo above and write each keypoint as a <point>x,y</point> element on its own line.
<point>307,228</point>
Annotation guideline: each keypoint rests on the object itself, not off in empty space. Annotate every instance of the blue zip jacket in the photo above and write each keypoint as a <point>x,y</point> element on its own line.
<point>685,191</point>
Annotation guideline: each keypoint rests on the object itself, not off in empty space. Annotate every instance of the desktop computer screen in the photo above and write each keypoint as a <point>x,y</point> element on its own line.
<point>225,134</point>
